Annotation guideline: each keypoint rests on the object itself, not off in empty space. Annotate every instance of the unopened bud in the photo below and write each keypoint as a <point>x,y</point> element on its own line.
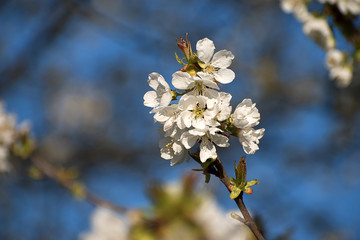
<point>231,187</point>
<point>185,47</point>
<point>248,190</point>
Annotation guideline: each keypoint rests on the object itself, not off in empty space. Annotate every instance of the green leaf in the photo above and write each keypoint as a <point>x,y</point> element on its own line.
<point>232,180</point>
<point>207,163</point>
<point>251,183</point>
<point>178,60</point>
<point>207,177</point>
<point>235,192</point>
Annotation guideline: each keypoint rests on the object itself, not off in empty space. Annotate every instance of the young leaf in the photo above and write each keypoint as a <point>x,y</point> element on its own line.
<point>207,177</point>
<point>178,60</point>
<point>235,192</point>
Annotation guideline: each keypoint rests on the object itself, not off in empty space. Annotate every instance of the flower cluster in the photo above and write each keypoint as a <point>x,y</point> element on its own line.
<point>317,26</point>
<point>202,114</point>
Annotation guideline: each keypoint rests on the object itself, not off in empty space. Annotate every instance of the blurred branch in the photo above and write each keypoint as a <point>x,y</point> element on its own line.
<point>52,173</point>
<point>52,25</point>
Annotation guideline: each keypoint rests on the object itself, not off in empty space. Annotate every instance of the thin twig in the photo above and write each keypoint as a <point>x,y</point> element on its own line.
<point>48,170</point>
<point>237,217</point>
<point>247,220</point>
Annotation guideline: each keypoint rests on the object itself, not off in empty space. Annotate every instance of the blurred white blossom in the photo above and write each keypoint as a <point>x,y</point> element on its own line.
<point>297,7</point>
<point>349,6</point>
<point>7,136</point>
<point>218,224</point>
<point>83,109</point>
<point>317,26</point>
<point>319,30</point>
<point>106,225</point>
<point>340,70</point>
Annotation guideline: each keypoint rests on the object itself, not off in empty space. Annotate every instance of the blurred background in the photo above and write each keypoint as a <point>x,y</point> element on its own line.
<point>77,70</point>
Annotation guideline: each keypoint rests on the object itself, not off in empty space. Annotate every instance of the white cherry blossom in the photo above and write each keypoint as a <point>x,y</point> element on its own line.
<point>249,138</point>
<point>194,112</point>
<point>220,106</point>
<point>161,97</point>
<point>215,64</point>
<point>201,113</point>
<point>201,84</point>
<point>169,116</point>
<point>173,150</point>
<point>208,138</point>
<point>246,115</point>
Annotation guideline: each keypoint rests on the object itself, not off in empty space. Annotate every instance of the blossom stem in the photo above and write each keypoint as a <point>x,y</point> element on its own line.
<point>248,221</point>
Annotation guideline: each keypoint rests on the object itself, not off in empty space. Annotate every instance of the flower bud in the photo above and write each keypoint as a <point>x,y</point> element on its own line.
<point>185,47</point>
<point>248,190</point>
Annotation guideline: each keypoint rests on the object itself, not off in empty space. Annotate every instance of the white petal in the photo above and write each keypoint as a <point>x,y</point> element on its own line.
<point>165,99</point>
<point>222,59</point>
<point>207,150</point>
<point>163,83</point>
<point>186,118</point>
<point>220,140</point>
<point>224,75</point>
<point>164,141</point>
<point>180,123</point>
<point>160,117</point>
<point>199,123</point>
<point>178,147</point>
<point>197,132</point>
<point>259,133</point>
<point>153,80</point>
<point>150,99</point>
<point>250,147</point>
<point>205,49</point>
<point>188,140</point>
<point>182,80</point>
<point>168,124</point>
<point>211,93</point>
<point>224,114</point>
<point>211,84</point>
<point>165,145</point>
<point>178,158</point>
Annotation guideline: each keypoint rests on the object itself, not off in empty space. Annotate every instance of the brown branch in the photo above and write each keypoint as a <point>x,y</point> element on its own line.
<point>49,171</point>
<point>345,24</point>
<point>247,220</point>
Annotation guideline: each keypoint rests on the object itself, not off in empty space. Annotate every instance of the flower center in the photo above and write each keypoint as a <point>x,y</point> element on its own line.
<point>198,111</point>
<point>210,69</point>
<point>169,147</point>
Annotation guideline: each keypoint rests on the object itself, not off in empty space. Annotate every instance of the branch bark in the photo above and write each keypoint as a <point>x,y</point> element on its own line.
<point>248,221</point>
<point>49,171</point>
